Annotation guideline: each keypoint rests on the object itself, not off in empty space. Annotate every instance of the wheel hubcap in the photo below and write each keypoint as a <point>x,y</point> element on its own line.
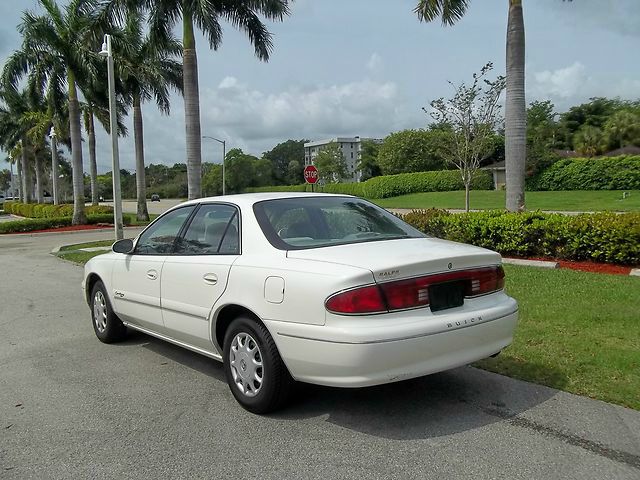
<point>100,312</point>
<point>245,360</point>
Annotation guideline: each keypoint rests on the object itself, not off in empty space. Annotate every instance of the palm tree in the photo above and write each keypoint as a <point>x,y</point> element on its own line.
<point>146,68</point>
<point>449,12</point>
<point>206,16</point>
<point>55,48</point>
<point>15,125</point>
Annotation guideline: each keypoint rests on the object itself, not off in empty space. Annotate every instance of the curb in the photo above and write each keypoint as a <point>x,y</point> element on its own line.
<point>44,234</point>
<point>530,263</point>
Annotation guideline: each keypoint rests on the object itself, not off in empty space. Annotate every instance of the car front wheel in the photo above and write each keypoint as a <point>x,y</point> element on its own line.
<point>106,324</point>
<point>256,374</point>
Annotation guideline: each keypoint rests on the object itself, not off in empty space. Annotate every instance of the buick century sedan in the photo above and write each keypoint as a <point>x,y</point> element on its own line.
<point>317,288</point>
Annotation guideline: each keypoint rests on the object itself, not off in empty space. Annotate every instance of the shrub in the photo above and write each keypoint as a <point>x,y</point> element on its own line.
<point>279,188</point>
<point>436,181</point>
<point>605,173</point>
<point>602,237</point>
<point>33,224</point>
<point>40,210</point>
<point>395,185</point>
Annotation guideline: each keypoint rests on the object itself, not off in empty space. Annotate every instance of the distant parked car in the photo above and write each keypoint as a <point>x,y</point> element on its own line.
<point>155,197</point>
<point>318,288</point>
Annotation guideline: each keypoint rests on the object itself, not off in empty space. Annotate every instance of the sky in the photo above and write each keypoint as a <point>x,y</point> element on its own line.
<point>367,67</point>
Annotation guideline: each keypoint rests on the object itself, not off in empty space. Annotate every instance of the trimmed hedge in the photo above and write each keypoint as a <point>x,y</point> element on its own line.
<point>44,210</point>
<point>32,224</point>
<point>601,237</point>
<point>605,173</point>
<point>394,185</point>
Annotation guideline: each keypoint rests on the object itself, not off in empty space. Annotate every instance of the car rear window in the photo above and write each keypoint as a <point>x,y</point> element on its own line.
<point>312,222</point>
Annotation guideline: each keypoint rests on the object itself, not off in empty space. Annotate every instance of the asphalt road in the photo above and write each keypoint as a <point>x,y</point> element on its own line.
<point>71,407</point>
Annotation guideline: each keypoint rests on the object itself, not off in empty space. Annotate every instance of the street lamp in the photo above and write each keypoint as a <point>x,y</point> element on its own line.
<point>54,166</point>
<point>115,160</point>
<point>224,153</point>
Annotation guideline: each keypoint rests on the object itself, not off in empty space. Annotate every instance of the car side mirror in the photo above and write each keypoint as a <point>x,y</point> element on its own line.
<point>123,246</point>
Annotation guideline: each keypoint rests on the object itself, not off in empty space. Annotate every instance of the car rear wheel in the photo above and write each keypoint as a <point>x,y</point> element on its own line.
<point>256,374</point>
<point>106,324</point>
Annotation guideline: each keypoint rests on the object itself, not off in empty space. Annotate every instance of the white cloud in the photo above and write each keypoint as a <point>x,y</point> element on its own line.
<point>257,120</point>
<point>571,85</point>
<point>375,62</point>
<point>228,82</point>
<point>563,82</point>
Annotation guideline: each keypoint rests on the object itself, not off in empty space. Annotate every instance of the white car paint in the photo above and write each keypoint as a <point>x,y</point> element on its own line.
<point>287,290</point>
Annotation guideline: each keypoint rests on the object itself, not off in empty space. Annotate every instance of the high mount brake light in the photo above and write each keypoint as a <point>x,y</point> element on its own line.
<point>413,292</point>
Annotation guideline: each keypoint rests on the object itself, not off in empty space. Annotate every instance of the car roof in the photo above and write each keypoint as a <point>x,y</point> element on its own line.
<point>247,200</point>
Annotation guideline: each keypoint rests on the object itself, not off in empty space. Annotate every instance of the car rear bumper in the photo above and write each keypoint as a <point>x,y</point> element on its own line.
<point>353,364</point>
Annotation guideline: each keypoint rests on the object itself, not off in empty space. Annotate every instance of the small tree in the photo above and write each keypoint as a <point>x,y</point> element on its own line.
<point>473,113</point>
<point>331,164</point>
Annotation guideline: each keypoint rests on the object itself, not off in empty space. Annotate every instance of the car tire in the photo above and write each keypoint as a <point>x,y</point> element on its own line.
<point>107,326</point>
<point>257,376</point>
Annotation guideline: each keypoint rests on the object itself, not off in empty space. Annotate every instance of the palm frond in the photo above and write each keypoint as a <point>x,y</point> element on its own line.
<point>448,11</point>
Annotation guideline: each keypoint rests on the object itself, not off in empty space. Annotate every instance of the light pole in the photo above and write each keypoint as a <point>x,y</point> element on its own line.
<point>115,160</point>
<point>54,166</point>
<point>224,154</point>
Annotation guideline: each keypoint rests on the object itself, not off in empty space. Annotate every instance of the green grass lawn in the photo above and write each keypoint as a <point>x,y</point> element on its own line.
<point>101,243</point>
<point>578,332</point>
<point>593,200</point>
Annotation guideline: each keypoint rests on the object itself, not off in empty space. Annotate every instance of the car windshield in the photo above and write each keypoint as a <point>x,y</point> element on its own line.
<point>299,223</point>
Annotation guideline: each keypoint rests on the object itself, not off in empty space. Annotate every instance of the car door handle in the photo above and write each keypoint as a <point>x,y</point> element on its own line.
<point>152,274</point>
<point>210,278</point>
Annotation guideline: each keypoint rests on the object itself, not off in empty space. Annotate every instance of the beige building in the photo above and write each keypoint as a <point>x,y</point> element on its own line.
<point>351,148</point>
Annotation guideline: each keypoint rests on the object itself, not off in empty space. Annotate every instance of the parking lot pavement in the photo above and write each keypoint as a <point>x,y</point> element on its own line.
<point>130,206</point>
<point>71,407</point>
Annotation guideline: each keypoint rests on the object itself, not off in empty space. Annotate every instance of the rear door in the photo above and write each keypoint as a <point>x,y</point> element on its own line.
<point>195,275</point>
<point>136,276</point>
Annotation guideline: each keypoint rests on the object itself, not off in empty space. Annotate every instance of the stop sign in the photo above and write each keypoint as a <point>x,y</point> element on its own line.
<point>310,174</point>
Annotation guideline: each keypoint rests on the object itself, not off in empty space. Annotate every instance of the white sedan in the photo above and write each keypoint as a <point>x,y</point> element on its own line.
<point>318,288</point>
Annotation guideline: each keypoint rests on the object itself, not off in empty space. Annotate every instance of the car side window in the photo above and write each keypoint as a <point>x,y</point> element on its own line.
<point>212,231</point>
<point>160,237</point>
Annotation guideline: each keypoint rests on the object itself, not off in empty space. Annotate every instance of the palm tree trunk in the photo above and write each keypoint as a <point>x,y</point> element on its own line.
<point>191,108</point>
<point>93,165</point>
<point>38,168</point>
<point>141,188</point>
<point>79,217</point>
<point>20,186</point>
<point>26,178</point>
<point>515,109</point>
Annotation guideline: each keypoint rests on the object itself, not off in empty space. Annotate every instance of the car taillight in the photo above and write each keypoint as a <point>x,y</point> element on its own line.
<point>485,280</point>
<point>410,293</point>
<point>359,300</point>
<point>413,292</point>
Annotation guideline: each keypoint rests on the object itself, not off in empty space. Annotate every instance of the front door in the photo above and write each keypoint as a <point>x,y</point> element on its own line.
<point>136,276</point>
<point>196,275</point>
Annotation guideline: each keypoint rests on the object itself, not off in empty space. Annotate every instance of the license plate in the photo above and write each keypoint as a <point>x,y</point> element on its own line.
<point>446,295</point>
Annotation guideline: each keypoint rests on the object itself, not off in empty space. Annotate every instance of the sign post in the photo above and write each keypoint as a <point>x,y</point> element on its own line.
<point>311,175</point>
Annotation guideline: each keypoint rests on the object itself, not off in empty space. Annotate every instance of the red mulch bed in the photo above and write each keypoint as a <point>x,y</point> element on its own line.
<point>593,267</point>
<point>71,228</point>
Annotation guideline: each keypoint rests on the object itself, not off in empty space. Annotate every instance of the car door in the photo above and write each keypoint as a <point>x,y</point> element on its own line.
<point>195,275</point>
<point>136,276</point>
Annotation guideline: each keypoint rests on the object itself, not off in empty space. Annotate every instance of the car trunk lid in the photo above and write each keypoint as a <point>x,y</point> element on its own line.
<point>402,258</point>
